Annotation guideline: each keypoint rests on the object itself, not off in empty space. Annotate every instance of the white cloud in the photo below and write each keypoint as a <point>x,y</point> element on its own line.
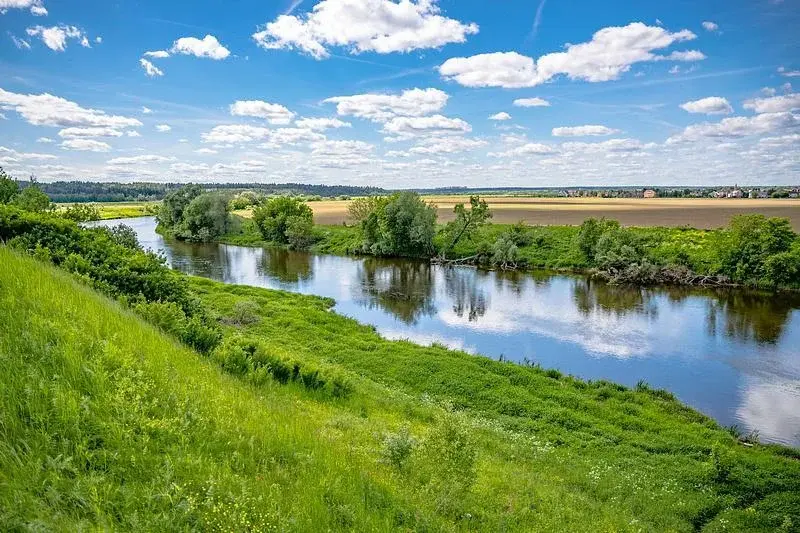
<point>189,168</point>
<point>55,37</point>
<point>273,113</point>
<point>687,55</point>
<point>611,145</point>
<point>146,110</point>
<point>235,133</point>
<point>320,124</point>
<point>582,131</point>
<point>208,47</point>
<point>500,116</point>
<point>139,159</point>
<point>783,71</point>
<point>85,145</point>
<point>712,105</point>
<point>531,102</point>
<point>526,149</point>
<point>48,110</point>
<point>610,53</point>
<point>22,44</point>
<point>205,151</point>
<point>157,54</point>
<point>78,133</point>
<point>382,107</point>
<point>133,133</point>
<point>775,104</point>
<point>710,26</point>
<point>45,140</point>
<point>380,26</point>
<point>446,145</point>
<point>22,155</point>
<point>739,127</point>
<point>408,127</point>
<point>150,69</point>
<point>283,136</point>
<point>36,6</point>
<point>163,128</point>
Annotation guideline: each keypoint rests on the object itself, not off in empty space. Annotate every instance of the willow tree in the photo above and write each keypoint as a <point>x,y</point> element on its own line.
<point>467,221</point>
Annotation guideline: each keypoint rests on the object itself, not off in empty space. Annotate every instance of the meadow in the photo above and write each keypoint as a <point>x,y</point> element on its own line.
<point>111,210</point>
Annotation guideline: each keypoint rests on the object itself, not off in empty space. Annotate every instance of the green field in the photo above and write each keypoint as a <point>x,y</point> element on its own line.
<point>107,423</point>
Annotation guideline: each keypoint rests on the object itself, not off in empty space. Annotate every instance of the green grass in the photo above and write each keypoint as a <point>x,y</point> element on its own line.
<point>106,423</point>
<point>127,210</point>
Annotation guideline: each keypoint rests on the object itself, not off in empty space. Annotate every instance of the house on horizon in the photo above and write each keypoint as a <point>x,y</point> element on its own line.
<point>649,193</point>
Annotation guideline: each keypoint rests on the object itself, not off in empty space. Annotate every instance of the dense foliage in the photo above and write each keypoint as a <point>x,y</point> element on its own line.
<point>285,220</point>
<point>401,225</point>
<point>191,214</point>
<point>81,212</point>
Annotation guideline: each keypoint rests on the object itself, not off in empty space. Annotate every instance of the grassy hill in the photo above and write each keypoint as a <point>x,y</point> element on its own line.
<point>305,420</point>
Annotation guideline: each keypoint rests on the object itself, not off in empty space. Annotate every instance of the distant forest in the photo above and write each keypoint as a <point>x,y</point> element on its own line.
<point>90,191</point>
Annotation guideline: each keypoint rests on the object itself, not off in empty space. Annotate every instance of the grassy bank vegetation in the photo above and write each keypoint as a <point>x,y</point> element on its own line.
<point>188,404</point>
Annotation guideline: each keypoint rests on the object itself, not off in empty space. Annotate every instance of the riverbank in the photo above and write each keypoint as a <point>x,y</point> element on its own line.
<point>542,451</point>
<point>671,256</point>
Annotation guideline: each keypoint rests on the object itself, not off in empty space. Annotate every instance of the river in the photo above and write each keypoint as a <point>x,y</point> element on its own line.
<point>732,354</point>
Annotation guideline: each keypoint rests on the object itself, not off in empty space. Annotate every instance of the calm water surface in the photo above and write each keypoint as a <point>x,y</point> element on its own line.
<point>733,355</point>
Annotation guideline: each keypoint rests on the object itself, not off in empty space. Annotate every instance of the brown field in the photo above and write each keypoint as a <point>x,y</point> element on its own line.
<point>699,213</point>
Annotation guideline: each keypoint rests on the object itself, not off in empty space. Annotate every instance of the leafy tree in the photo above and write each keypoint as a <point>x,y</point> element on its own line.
<point>466,222</point>
<point>360,208</point>
<point>81,212</point>
<point>300,232</point>
<point>9,188</point>
<point>750,242</point>
<point>590,233</point>
<point>170,213</point>
<point>404,226</point>
<point>205,218</point>
<point>273,217</point>
<point>32,198</point>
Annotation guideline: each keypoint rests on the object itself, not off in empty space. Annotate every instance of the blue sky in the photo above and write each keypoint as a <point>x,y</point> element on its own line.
<point>402,93</point>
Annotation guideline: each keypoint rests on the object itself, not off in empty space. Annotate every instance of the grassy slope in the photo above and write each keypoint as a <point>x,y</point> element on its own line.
<point>105,422</point>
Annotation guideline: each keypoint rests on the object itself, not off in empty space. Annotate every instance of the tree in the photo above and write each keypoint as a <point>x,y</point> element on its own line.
<point>9,188</point>
<point>205,218</point>
<point>272,218</point>
<point>171,212</point>
<point>590,233</point>
<point>31,198</point>
<point>360,208</point>
<point>466,222</point>
<point>81,212</point>
<point>749,243</point>
<point>300,232</point>
<point>404,225</point>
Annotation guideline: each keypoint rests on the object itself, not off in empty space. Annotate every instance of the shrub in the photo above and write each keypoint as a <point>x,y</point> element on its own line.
<point>300,232</point>
<point>201,337</point>
<point>748,244</point>
<point>204,218</point>
<point>167,316</point>
<point>590,233</point>
<point>397,447</point>
<point>402,225</point>
<point>244,313</point>
<point>274,216</point>
<point>81,212</point>
<point>451,455</point>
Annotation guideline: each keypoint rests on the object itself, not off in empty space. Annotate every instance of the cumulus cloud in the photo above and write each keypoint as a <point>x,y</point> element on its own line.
<point>208,47</point>
<point>445,145</point>
<point>36,7</point>
<point>775,104</point>
<point>583,131</point>
<point>283,136</point>
<point>273,113</point>
<point>710,26</point>
<point>157,54</point>
<point>500,116</point>
<point>139,159</point>
<point>408,127</point>
<point>150,69</point>
<point>382,107</point>
<point>531,102</point>
<point>76,133</point>
<point>44,140</point>
<point>609,146</point>
<point>48,110</point>
<point>611,52</point>
<point>22,155</point>
<point>163,128</point>
<point>55,37</point>
<point>770,123</point>
<point>205,151</point>
<point>146,110</point>
<point>235,133</point>
<point>526,149</point>
<point>320,124</point>
<point>85,145</point>
<point>712,105</point>
<point>380,26</point>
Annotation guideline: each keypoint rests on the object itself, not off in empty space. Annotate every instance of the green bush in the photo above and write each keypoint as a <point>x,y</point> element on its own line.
<point>273,219</point>
<point>402,226</point>
<point>397,447</point>
<point>81,212</point>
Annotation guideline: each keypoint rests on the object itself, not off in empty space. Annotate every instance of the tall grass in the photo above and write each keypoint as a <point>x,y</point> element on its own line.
<point>107,423</point>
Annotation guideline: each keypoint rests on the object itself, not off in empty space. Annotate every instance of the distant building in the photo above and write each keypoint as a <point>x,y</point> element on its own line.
<point>736,193</point>
<point>649,193</point>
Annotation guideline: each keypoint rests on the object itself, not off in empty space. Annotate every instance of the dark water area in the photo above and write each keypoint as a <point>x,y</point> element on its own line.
<point>732,354</point>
